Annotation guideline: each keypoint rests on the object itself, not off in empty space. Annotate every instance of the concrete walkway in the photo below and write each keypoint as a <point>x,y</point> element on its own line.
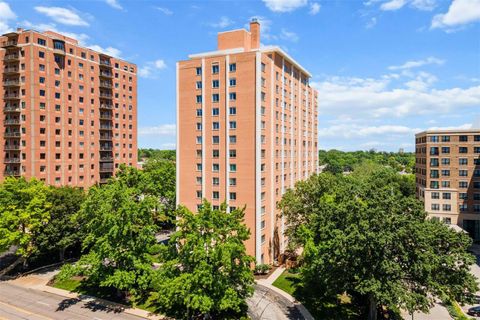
<point>268,283</point>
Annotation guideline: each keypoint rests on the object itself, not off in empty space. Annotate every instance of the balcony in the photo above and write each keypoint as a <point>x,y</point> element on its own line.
<point>8,44</point>
<point>106,127</point>
<point>107,85</point>
<point>11,83</point>
<point>106,116</point>
<point>11,70</point>
<point>106,137</point>
<point>106,168</point>
<point>106,74</point>
<point>12,122</point>
<point>11,96</point>
<point>105,95</point>
<point>105,63</point>
<point>106,159</point>
<point>15,173</point>
<point>106,148</point>
<point>12,135</point>
<point>106,106</point>
<point>12,109</point>
<point>104,180</point>
<point>11,57</point>
<point>14,147</point>
<point>12,160</point>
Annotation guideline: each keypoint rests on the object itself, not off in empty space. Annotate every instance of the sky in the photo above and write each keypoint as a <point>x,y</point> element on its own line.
<point>384,69</point>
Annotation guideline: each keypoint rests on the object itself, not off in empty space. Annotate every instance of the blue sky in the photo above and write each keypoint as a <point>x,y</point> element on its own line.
<point>385,69</point>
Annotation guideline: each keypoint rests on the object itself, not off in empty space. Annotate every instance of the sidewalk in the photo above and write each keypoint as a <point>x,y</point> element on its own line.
<point>38,281</point>
<point>268,284</point>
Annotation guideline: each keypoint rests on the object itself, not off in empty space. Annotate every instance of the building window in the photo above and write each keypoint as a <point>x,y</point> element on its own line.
<point>215,195</point>
<point>199,99</point>
<point>446,173</point>
<point>233,111</point>
<point>215,83</point>
<point>42,42</point>
<point>463,173</point>
<point>233,82</point>
<point>463,196</point>
<point>199,84</point>
<point>233,153</point>
<point>463,161</point>
<point>463,184</point>
<point>215,97</point>
<point>445,138</point>
<point>215,167</point>
<point>199,167</point>
<point>435,207</point>
<point>446,196</point>
<point>463,138</point>
<point>215,139</point>
<point>463,149</point>
<point>463,207</point>
<point>445,149</point>
<point>199,126</point>
<point>232,96</point>
<point>232,181</point>
<point>445,161</point>
<point>199,194</point>
<point>434,139</point>
<point>216,181</point>
<point>215,125</point>
<point>233,125</point>
<point>215,153</point>
<point>199,112</point>
<point>199,71</point>
<point>233,167</point>
<point>215,111</point>
<point>233,196</point>
<point>435,195</point>
<point>434,162</point>
<point>199,139</point>
<point>215,69</point>
<point>232,67</point>
<point>233,139</point>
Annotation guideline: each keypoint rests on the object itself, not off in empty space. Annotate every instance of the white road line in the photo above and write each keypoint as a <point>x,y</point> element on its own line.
<point>45,304</point>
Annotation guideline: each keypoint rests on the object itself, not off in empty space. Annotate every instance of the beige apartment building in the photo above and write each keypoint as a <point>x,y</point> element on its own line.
<point>246,132</point>
<point>448,176</point>
<point>69,113</point>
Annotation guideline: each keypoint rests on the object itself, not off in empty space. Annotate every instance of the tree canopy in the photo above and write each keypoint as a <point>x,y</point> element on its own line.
<point>366,235</point>
<point>205,271</point>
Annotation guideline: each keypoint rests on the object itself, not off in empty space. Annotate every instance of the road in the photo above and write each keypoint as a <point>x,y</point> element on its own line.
<point>19,303</point>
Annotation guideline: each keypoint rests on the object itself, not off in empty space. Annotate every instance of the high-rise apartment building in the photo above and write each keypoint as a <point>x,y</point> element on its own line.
<point>69,114</point>
<point>246,132</point>
<point>448,176</point>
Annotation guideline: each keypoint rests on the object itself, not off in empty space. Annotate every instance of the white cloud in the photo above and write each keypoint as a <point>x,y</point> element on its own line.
<point>169,145</point>
<point>314,8</point>
<point>6,14</point>
<point>62,15</point>
<point>114,4</point>
<point>165,11</point>
<point>371,23</point>
<point>160,64</point>
<point>114,52</point>
<point>160,130</point>
<point>284,5</point>
<point>289,35</point>
<point>460,12</point>
<point>460,127</point>
<point>81,37</point>
<point>223,23</point>
<point>148,70</point>
<point>369,98</point>
<point>418,63</point>
<point>348,130</point>
<point>392,5</point>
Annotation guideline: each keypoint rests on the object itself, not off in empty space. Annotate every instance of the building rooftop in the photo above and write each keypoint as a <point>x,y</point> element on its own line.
<point>450,131</point>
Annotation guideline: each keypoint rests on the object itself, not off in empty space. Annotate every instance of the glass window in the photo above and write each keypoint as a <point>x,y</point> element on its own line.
<point>215,97</point>
<point>463,149</point>
<point>199,99</point>
<point>215,68</point>
<point>199,84</point>
<point>435,195</point>
<point>232,67</point>
<point>215,83</point>
<point>198,71</point>
<point>215,111</point>
<point>215,139</point>
<point>233,82</point>
<point>233,110</point>
<point>233,167</point>
<point>463,138</point>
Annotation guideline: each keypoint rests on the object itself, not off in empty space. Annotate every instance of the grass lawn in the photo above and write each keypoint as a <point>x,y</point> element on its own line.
<point>69,284</point>
<point>341,307</point>
<point>286,282</point>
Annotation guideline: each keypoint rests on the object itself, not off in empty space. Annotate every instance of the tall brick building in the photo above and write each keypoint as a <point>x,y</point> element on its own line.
<point>246,132</point>
<point>448,176</point>
<point>69,113</point>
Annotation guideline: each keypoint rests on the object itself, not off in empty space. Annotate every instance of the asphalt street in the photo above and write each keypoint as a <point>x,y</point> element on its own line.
<point>18,303</point>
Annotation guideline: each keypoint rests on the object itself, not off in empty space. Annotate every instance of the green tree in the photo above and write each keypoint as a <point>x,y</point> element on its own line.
<point>120,235</point>
<point>206,271</point>
<point>364,235</point>
<point>24,209</point>
<point>61,232</point>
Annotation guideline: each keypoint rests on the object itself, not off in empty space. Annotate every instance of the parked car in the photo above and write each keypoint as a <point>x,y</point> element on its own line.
<point>474,311</point>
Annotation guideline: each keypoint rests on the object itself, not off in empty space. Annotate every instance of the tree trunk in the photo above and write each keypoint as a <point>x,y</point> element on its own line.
<point>372,308</point>
<point>12,266</point>
<point>61,254</point>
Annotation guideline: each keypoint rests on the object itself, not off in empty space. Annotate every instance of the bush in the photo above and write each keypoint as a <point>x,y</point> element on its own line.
<point>262,268</point>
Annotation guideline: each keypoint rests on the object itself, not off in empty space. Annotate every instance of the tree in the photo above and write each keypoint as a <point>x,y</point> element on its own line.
<point>24,209</point>
<point>365,236</point>
<point>120,235</point>
<point>206,271</point>
<point>61,232</point>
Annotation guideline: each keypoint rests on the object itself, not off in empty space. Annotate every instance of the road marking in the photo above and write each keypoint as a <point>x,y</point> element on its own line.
<point>45,304</point>
<point>23,310</point>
